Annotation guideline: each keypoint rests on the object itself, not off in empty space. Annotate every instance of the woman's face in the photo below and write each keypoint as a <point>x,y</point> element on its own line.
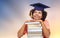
<point>37,15</point>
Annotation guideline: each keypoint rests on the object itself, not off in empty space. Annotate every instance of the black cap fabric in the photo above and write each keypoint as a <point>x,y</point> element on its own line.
<point>39,6</point>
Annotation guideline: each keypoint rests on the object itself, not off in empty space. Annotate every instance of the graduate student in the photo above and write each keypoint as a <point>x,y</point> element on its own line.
<point>38,14</point>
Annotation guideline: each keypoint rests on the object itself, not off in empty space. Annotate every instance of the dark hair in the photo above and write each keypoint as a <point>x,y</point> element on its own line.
<point>44,14</point>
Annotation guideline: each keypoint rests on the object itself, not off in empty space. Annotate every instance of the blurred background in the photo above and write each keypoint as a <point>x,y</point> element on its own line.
<point>13,13</point>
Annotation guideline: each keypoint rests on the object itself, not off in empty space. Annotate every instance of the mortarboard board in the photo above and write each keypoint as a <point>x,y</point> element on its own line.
<point>39,6</point>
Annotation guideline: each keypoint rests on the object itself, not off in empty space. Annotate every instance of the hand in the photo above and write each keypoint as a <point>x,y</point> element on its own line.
<point>30,21</point>
<point>38,21</point>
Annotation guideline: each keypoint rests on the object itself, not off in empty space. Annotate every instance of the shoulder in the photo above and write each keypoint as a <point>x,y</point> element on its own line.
<point>46,21</point>
<point>47,24</point>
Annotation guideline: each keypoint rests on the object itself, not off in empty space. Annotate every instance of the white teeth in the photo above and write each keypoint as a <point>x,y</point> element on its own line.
<point>37,16</point>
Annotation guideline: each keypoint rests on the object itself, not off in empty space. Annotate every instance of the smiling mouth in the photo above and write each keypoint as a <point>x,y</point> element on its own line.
<point>36,17</point>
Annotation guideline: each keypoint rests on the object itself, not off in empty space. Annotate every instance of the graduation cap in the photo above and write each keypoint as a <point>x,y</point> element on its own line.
<point>39,6</point>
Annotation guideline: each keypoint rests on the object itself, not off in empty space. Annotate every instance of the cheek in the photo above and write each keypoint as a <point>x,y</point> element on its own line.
<point>37,15</point>
<point>34,14</point>
<point>40,15</point>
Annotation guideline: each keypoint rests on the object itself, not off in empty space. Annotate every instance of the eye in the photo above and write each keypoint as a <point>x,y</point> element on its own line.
<point>35,12</point>
<point>39,12</point>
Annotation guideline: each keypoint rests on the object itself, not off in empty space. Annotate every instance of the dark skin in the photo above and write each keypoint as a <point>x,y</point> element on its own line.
<point>37,17</point>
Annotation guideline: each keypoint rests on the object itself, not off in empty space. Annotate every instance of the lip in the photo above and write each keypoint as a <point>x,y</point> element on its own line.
<point>37,16</point>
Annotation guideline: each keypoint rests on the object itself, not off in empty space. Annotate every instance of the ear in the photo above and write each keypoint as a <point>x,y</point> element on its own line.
<point>31,15</point>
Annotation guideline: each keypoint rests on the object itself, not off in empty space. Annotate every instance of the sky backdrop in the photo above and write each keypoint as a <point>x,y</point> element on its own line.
<point>13,13</point>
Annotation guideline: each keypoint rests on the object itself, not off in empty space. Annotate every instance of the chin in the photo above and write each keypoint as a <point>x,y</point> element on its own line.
<point>37,19</point>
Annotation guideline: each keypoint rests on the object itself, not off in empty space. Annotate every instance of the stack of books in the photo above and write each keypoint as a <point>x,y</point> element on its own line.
<point>34,30</point>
